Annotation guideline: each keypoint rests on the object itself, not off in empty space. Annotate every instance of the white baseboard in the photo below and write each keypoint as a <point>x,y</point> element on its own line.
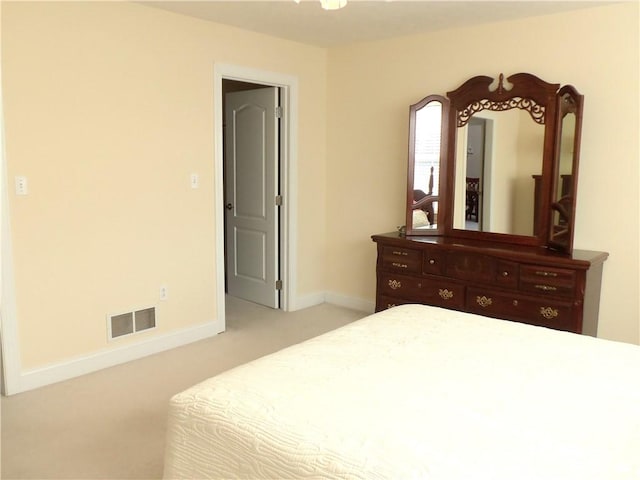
<point>350,302</point>
<point>40,377</point>
<point>313,299</point>
<point>307,301</point>
<point>76,367</point>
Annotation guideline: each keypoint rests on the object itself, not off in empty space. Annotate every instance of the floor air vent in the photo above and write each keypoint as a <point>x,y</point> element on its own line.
<point>131,322</point>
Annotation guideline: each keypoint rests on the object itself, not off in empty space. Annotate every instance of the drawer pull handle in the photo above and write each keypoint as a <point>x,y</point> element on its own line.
<point>505,274</point>
<point>546,274</point>
<point>546,288</point>
<point>548,312</point>
<point>391,305</point>
<point>432,261</point>
<point>396,252</point>
<point>515,303</point>
<point>445,294</point>
<point>394,284</point>
<point>483,301</point>
<point>400,265</point>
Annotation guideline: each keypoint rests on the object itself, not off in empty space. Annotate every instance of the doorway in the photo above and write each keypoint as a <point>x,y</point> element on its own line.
<point>288,87</point>
<point>475,176</point>
<point>252,197</point>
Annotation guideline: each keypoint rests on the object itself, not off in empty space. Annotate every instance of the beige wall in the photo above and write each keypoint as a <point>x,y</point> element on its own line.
<point>372,85</point>
<point>108,109</point>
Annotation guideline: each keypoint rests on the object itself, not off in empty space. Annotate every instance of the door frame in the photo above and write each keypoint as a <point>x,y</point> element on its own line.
<point>485,182</point>
<point>288,176</point>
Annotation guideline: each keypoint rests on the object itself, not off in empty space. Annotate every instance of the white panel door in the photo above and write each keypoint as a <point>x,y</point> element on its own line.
<point>251,186</point>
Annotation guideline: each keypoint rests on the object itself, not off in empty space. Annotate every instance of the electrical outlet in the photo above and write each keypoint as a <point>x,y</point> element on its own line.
<point>164,292</point>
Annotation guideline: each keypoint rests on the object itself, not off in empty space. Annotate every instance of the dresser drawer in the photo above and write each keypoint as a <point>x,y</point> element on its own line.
<point>431,291</point>
<point>507,274</point>
<point>547,280</point>
<point>535,311</point>
<point>400,286</point>
<point>470,266</point>
<point>384,302</point>
<point>401,259</point>
<point>434,261</point>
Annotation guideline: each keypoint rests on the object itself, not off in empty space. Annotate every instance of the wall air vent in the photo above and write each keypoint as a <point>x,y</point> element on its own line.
<point>127,323</point>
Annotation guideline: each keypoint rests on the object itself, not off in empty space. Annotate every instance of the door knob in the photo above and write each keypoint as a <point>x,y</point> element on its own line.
<point>229,206</point>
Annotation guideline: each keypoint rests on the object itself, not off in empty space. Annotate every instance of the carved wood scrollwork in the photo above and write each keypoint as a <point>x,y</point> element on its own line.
<point>536,111</point>
<point>541,212</point>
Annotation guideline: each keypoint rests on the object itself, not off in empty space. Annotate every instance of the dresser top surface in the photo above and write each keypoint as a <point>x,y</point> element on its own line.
<point>586,257</point>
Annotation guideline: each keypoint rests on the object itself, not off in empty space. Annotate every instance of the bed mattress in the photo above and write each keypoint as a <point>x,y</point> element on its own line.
<point>418,392</point>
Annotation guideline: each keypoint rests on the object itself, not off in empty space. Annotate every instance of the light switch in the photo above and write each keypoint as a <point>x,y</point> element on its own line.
<point>21,185</point>
<point>195,180</point>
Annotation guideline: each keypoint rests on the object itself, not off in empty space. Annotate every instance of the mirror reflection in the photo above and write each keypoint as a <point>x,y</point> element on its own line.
<point>498,156</point>
<point>562,205</point>
<point>427,150</point>
<point>496,160</point>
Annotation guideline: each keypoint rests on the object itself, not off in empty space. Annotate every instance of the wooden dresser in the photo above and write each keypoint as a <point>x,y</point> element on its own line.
<point>526,284</point>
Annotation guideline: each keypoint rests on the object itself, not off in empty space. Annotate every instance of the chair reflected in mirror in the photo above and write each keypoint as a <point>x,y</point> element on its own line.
<point>424,211</point>
<point>473,199</point>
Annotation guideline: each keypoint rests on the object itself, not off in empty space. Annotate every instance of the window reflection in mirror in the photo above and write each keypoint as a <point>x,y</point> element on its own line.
<point>428,131</point>
<point>503,150</point>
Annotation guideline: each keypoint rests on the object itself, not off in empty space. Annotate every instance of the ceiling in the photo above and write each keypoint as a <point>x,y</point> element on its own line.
<point>361,20</point>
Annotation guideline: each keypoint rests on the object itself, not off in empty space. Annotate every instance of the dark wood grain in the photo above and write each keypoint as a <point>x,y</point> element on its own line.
<point>515,282</point>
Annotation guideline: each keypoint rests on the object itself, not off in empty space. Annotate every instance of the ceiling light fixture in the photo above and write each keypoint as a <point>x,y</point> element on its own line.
<point>333,4</point>
<point>330,4</point>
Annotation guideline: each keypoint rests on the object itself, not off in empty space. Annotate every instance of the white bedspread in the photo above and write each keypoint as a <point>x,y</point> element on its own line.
<point>418,392</point>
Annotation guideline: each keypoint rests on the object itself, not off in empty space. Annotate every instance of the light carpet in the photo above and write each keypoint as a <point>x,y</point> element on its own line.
<point>111,424</point>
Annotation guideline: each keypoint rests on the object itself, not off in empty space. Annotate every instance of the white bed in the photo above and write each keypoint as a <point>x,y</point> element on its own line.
<point>418,392</point>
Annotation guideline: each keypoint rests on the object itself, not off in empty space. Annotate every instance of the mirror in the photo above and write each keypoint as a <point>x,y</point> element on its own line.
<point>427,157</point>
<point>565,176</point>
<point>497,156</point>
<point>496,160</point>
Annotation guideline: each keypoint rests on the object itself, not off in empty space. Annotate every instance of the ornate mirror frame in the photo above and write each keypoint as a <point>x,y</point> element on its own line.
<point>555,191</point>
<point>565,182</point>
